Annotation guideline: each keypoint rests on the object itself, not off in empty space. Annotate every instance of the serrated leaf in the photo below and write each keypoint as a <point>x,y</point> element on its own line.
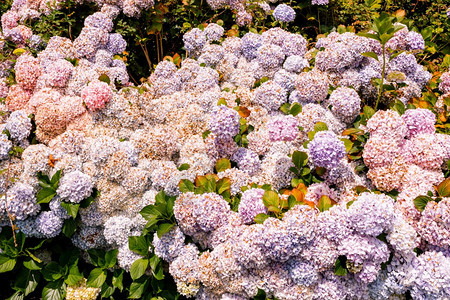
<point>104,78</point>
<point>6,263</point>
<point>183,167</point>
<point>138,268</point>
<point>96,278</point>
<point>285,108</point>
<point>185,186</point>
<point>223,185</point>
<point>30,264</point>
<point>45,195</point>
<point>69,227</point>
<point>138,244</point>
<point>421,202</point>
<point>107,290</point>
<point>243,112</point>
<point>19,51</point>
<point>443,188</point>
<point>117,279</point>
<point>222,165</point>
<point>74,276</point>
<point>320,126</point>
<point>164,228</point>
<point>111,258</point>
<point>222,101</point>
<point>271,198</point>
<point>52,271</point>
<point>324,203</point>
<point>296,108</point>
<point>160,198</point>
<point>54,290</point>
<point>260,218</point>
<point>300,159</point>
<point>370,55</point>
<point>137,288</point>
<point>369,35</point>
<point>71,208</point>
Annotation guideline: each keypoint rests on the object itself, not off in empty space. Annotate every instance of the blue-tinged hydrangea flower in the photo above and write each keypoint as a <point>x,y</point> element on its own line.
<point>185,271</point>
<point>319,2</point>
<point>18,125</point>
<point>312,86</point>
<point>371,214</point>
<point>117,229</point>
<point>211,211</point>
<point>21,201</point>
<point>126,257</point>
<point>434,225</point>
<point>270,56</point>
<point>57,209</point>
<point>49,224</point>
<point>283,128</point>
<point>284,13</point>
<point>251,205</point>
<point>301,223</point>
<point>213,32</point>
<point>360,249</point>
<point>345,103</point>
<point>415,41</point>
<point>270,95</point>
<point>5,146</point>
<point>88,237</point>
<point>247,160</point>
<point>430,276</point>
<point>99,20</point>
<point>285,79</point>
<point>224,122</point>
<point>250,43</point>
<point>116,43</point>
<point>29,227</point>
<point>419,121</point>
<point>295,63</point>
<point>326,150</point>
<point>75,186</point>
<point>302,272</point>
<point>194,40</point>
<point>169,246</point>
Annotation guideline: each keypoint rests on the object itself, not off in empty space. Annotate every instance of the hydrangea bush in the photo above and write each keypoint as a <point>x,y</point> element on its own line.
<point>256,167</point>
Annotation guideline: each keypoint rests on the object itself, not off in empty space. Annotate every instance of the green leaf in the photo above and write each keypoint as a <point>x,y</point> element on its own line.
<point>6,263</point>
<point>205,134</point>
<point>138,268</point>
<point>74,276</point>
<point>370,55</point>
<point>285,108</point>
<point>222,101</point>
<point>271,198</point>
<point>55,180</point>
<point>320,126</point>
<point>111,258</point>
<point>443,188</point>
<point>71,208</point>
<point>260,218</point>
<point>98,257</point>
<point>368,112</point>
<point>324,203</point>
<point>185,186</point>
<point>54,290</point>
<point>160,198</point>
<point>223,185</point>
<point>421,202</point>
<point>107,290</point>
<point>69,227</point>
<point>369,35</point>
<point>117,279</point>
<point>52,271</point>
<point>164,228</point>
<point>183,167</point>
<point>96,278</point>
<point>31,264</point>
<point>339,267</point>
<point>394,55</point>
<point>17,296</point>
<point>222,165</point>
<point>154,261</point>
<point>150,212</point>
<point>138,244</point>
<point>137,288</point>
<point>300,159</point>
<point>348,144</point>
<point>19,51</point>
<point>104,78</point>
<point>296,108</point>
<point>45,195</point>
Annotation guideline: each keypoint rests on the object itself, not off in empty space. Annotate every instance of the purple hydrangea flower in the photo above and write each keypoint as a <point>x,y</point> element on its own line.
<point>284,13</point>
<point>326,150</point>
<point>270,56</point>
<point>75,186</point>
<point>49,224</point>
<point>247,160</point>
<point>283,128</point>
<point>213,32</point>
<point>415,41</point>
<point>5,146</point>
<point>295,63</point>
<point>18,125</point>
<point>224,122</point>
<point>302,272</point>
<point>250,43</point>
<point>169,246</point>
<point>345,103</point>
<point>21,201</point>
<point>194,40</point>
<point>319,2</point>
<point>116,43</point>
<point>251,205</point>
<point>419,121</point>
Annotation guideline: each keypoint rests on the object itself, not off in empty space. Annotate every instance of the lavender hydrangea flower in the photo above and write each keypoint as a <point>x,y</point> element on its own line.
<point>116,43</point>
<point>270,95</point>
<point>250,43</point>
<point>270,56</point>
<point>345,103</point>
<point>247,160</point>
<point>5,146</point>
<point>213,32</point>
<point>49,224</point>
<point>319,2</point>
<point>75,186</point>
<point>224,122</point>
<point>169,246</point>
<point>194,40</point>
<point>419,121</point>
<point>21,201</point>
<point>211,211</point>
<point>295,63</point>
<point>251,205</point>
<point>326,150</point>
<point>284,13</point>
<point>302,272</point>
<point>415,41</point>
<point>283,128</point>
<point>18,125</point>
<point>117,229</point>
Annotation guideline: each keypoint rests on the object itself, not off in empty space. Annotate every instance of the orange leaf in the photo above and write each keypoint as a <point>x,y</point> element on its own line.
<point>299,196</point>
<point>243,112</point>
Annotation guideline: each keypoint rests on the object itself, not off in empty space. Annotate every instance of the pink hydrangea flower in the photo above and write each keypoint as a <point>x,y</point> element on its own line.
<point>96,95</point>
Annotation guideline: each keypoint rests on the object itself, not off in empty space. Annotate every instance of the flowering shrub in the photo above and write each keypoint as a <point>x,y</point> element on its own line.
<point>256,166</point>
